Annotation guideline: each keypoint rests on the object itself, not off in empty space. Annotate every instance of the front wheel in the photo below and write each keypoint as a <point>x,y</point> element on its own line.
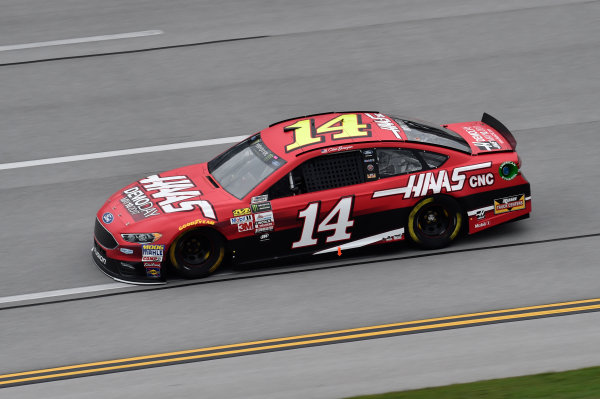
<point>434,222</point>
<point>197,253</point>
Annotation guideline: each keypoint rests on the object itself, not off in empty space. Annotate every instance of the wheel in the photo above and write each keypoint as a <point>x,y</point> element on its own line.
<point>197,253</point>
<point>434,222</point>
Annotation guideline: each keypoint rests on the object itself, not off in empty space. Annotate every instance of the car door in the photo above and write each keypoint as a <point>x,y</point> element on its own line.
<point>324,203</point>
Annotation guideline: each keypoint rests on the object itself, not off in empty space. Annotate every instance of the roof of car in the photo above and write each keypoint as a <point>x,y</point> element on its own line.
<point>291,137</point>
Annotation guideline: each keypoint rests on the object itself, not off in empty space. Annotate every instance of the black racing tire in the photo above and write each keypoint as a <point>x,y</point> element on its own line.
<point>197,253</point>
<point>435,222</point>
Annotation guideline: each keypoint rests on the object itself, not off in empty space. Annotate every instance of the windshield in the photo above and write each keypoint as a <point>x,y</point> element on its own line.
<point>242,167</point>
<point>424,133</point>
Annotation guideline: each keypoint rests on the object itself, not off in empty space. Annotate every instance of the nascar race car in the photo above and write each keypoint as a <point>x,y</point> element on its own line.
<point>313,185</point>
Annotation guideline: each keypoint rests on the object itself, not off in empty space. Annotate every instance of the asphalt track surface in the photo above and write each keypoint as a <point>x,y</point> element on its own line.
<point>532,64</point>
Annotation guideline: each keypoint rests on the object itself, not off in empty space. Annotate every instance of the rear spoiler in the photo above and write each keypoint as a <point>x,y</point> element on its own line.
<point>500,128</point>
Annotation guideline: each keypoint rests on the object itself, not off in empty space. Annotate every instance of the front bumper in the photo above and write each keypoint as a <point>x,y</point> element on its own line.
<point>127,272</point>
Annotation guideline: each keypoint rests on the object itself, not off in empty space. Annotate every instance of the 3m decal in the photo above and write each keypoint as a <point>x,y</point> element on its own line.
<point>176,196</point>
<point>508,170</point>
<point>340,212</point>
<point>245,226</point>
<point>263,206</point>
<point>196,222</point>
<point>341,127</point>
<point>385,123</point>
<point>108,218</point>
<point>241,219</point>
<point>509,204</point>
<point>242,212</point>
<point>152,252</point>
<point>433,182</point>
<point>137,203</point>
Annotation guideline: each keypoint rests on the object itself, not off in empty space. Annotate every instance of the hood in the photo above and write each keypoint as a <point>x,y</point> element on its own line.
<point>175,192</point>
<point>481,137</point>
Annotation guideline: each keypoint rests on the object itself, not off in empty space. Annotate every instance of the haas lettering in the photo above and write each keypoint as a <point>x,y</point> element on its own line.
<point>433,182</point>
<point>174,190</point>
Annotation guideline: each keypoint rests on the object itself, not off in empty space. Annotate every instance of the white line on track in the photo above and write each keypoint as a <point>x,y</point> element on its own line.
<point>76,40</point>
<point>68,291</point>
<point>117,153</point>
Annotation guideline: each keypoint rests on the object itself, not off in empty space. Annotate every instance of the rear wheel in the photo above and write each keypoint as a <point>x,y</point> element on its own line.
<point>434,222</point>
<point>197,253</point>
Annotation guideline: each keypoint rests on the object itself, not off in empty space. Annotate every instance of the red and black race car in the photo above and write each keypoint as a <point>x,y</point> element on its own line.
<point>314,185</point>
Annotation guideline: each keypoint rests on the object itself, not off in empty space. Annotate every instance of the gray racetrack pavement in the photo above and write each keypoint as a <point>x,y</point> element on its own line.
<point>532,64</point>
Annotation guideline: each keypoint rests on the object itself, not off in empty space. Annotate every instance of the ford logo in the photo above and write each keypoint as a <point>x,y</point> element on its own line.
<point>108,218</point>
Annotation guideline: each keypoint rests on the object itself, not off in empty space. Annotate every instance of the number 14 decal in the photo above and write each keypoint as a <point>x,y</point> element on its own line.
<point>341,212</point>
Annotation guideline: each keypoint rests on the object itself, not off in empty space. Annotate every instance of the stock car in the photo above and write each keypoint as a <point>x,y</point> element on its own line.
<point>313,185</point>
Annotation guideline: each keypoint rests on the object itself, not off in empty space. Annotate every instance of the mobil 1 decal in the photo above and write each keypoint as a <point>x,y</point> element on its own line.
<point>337,222</point>
<point>422,184</point>
<point>177,194</point>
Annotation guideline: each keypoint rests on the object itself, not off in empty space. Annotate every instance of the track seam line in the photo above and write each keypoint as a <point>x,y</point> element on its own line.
<point>290,34</point>
<point>306,270</point>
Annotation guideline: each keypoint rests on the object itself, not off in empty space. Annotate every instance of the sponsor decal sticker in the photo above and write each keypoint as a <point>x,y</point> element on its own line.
<point>264,222</point>
<point>152,252</point>
<point>245,226</point>
<point>371,175</point>
<point>196,222</point>
<point>482,224</point>
<point>396,237</point>
<point>486,179</point>
<point>241,219</point>
<point>137,203</point>
<point>480,214</point>
<point>264,237</point>
<point>368,153</point>
<point>126,251</point>
<point>485,139</point>
<point>259,198</point>
<point>241,212</point>
<point>108,218</point>
<point>152,269</point>
<point>101,258</point>
<point>433,182</point>
<point>176,194</point>
<point>263,206</point>
<point>508,170</point>
<point>385,123</point>
<point>509,204</point>
<point>263,217</point>
<point>264,229</point>
<point>370,167</point>
<point>335,149</point>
